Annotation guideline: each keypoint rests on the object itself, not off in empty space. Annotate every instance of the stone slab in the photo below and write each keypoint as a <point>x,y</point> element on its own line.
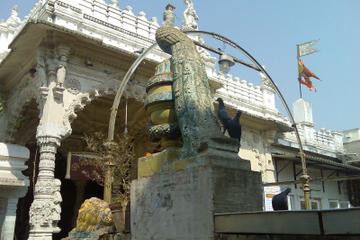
<point>221,152</point>
<point>179,205</point>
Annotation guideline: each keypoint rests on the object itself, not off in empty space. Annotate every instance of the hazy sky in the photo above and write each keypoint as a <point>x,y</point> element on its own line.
<point>270,30</point>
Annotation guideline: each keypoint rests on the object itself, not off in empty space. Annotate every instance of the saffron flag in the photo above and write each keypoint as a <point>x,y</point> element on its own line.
<point>305,75</point>
<point>304,71</point>
<point>308,83</point>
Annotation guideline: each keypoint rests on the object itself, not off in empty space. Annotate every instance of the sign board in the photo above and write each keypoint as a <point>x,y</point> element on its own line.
<point>79,166</point>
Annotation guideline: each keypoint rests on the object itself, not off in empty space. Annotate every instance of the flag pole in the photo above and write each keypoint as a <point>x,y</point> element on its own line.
<point>299,74</point>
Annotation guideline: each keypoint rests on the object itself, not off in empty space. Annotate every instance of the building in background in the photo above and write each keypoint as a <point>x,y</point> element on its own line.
<point>59,70</point>
<point>352,144</point>
<point>325,153</point>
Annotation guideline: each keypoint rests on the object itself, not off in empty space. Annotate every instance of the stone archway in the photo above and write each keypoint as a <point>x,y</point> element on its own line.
<point>94,117</point>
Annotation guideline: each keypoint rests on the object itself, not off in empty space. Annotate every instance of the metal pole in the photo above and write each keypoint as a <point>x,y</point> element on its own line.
<point>305,177</point>
<point>299,74</point>
<point>108,178</point>
<point>126,116</point>
<point>111,130</point>
<point>121,90</point>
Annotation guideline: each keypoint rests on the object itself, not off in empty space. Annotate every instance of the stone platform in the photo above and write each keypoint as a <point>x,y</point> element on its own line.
<point>177,198</point>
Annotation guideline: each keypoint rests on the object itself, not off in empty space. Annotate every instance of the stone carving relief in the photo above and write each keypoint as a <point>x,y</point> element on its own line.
<point>21,95</point>
<point>41,70</point>
<point>60,75</point>
<point>72,85</point>
<point>45,212</point>
<point>190,16</point>
<point>78,103</point>
<point>57,199</point>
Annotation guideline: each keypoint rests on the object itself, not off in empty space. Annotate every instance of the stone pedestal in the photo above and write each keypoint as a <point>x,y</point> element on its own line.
<point>177,198</point>
<point>13,185</point>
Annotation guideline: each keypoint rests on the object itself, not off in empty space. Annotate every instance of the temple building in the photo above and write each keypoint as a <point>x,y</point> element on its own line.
<point>60,68</point>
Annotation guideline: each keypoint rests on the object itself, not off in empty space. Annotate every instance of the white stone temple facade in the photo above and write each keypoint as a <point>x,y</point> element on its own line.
<point>59,70</point>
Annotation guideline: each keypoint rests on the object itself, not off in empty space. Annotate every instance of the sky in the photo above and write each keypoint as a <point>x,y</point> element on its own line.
<point>270,30</point>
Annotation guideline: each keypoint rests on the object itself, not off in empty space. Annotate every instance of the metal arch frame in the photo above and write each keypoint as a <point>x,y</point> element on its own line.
<point>111,129</point>
<point>121,90</point>
<point>305,177</point>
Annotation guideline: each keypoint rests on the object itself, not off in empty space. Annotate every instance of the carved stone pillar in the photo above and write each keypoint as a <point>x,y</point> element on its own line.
<point>45,209</point>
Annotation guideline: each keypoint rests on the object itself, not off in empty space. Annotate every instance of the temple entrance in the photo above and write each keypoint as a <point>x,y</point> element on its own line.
<point>94,117</point>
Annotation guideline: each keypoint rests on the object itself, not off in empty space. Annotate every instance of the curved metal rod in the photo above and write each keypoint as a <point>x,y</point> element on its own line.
<point>121,90</point>
<point>235,45</point>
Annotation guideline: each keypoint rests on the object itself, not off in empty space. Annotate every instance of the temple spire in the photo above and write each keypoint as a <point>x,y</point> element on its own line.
<point>169,17</point>
<point>190,16</point>
<point>14,20</point>
<point>115,3</point>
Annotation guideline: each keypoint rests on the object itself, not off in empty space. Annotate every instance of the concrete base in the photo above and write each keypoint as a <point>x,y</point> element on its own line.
<point>308,223</point>
<point>282,237</point>
<point>179,203</point>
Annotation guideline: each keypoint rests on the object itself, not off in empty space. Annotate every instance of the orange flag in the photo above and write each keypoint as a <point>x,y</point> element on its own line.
<point>305,72</point>
<point>308,83</point>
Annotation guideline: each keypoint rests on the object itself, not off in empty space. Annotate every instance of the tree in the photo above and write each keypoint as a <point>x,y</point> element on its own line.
<point>123,154</point>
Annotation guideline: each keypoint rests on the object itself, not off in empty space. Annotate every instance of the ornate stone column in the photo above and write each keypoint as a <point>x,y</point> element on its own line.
<point>45,209</point>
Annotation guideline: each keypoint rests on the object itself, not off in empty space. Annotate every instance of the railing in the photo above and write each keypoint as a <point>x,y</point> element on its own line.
<point>324,138</point>
<point>241,90</point>
<point>321,140</point>
<point>110,16</point>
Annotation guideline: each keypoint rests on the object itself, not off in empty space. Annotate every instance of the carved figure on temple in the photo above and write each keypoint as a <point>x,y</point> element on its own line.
<point>190,16</point>
<point>41,70</point>
<point>46,212</point>
<point>14,19</point>
<point>61,74</point>
<point>169,17</point>
<point>57,199</point>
